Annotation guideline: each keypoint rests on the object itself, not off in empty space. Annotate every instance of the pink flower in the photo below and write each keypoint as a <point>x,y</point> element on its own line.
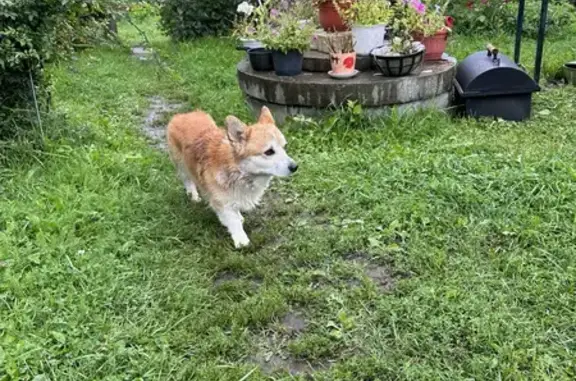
<point>418,6</point>
<point>274,12</point>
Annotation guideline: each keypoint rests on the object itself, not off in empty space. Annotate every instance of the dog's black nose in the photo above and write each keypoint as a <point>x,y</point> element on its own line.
<point>293,167</point>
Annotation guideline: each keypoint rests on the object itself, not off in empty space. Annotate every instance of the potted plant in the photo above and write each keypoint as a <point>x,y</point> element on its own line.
<point>431,27</point>
<point>251,20</point>
<point>369,19</point>
<point>342,55</point>
<point>330,14</point>
<point>402,55</point>
<point>288,38</point>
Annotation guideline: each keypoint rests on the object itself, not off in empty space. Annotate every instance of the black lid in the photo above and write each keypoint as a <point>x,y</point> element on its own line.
<point>479,75</point>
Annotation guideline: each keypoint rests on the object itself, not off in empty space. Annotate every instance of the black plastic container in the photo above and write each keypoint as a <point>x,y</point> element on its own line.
<point>288,64</point>
<point>261,59</point>
<point>492,85</point>
<point>398,66</point>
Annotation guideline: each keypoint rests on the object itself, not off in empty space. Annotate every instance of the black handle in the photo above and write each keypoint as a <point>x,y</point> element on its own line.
<point>493,52</point>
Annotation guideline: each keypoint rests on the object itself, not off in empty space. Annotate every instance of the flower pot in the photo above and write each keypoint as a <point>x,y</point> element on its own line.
<point>287,64</point>
<point>435,45</point>
<point>570,72</point>
<point>398,66</point>
<point>249,43</point>
<point>343,63</point>
<point>261,59</point>
<point>367,38</point>
<point>330,19</point>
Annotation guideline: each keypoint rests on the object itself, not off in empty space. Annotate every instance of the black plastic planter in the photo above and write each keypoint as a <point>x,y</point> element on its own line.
<point>261,59</point>
<point>288,64</point>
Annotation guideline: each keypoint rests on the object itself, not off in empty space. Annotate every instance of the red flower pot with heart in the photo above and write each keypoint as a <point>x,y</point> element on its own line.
<point>343,63</point>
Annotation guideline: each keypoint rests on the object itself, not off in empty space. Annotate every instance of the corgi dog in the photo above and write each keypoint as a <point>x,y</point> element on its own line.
<point>232,168</point>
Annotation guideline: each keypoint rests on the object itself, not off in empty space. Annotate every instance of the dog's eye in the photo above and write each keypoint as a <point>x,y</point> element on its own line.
<point>270,152</point>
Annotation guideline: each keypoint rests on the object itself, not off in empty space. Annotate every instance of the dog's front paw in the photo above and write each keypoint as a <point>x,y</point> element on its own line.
<point>194,196</point>
<point>241,241</point>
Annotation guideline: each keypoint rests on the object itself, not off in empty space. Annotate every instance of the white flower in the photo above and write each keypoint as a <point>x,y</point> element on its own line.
<point>245,8</point>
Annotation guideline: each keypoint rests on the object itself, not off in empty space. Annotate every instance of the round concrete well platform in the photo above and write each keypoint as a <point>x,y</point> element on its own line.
<point>312,93</point>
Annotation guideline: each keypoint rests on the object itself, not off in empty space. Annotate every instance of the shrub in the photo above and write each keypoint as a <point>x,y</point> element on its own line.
<point>486,16</point>
<point>32,33</point>
<point>187,19</point>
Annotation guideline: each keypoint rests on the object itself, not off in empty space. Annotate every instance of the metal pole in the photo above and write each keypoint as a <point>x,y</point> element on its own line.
<point>540,42</point>
<point>519,28</point>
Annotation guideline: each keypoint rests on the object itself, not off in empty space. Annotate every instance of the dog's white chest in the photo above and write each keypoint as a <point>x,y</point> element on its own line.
<point>245,193</point>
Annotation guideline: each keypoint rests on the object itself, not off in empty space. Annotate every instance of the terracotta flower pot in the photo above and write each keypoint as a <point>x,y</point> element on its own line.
<point>343,63</point>
<point>330,19</point>
<point>435,45</point>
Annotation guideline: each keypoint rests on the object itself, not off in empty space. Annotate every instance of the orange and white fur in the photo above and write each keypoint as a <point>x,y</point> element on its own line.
<point>230,169</point>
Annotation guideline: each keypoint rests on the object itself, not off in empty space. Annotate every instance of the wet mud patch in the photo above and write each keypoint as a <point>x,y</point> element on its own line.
<point>273,358</point>
<point>156,120</point>
<point>142,53</point>
<point>227,277</point>
<point>273,355</point>
<point>293,323</point>
<point>381,276</point>
<point>224,277</point>
<point>276,363</point>
<point>384,276</point>
<point>233,287</point>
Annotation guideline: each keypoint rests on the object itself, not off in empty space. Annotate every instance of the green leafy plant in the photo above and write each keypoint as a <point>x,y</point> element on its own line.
<point>369,12</point>
<point>403,24</point>
<point>288,33</point>
<point>435,20</point>
<point>252,21</point>
<point>426,19</point>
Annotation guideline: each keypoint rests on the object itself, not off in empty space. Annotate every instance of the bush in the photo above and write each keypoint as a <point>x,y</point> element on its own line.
<point>486,16</point>
<point>32,32</point>
<point>187,19</point>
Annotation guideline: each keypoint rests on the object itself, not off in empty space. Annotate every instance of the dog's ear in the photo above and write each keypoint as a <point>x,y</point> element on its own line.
<point>236,129</point>
<point>266,116</point>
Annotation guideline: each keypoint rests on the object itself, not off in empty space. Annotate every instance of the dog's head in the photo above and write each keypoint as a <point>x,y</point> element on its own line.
<point>260,148</point>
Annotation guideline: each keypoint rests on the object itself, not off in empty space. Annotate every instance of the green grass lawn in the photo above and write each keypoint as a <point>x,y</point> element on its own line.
<point>408,248</point>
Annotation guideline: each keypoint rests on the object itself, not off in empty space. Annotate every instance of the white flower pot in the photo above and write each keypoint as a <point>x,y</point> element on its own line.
<point>249,43</point>
<point>368,38</point>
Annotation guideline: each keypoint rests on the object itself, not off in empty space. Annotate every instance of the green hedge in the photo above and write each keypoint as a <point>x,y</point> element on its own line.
<point>187,19</point>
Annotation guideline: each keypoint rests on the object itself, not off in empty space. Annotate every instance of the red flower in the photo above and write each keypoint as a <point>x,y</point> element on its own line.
<point>348,62</point>
<point>449,21</point>
<point>470,4</point>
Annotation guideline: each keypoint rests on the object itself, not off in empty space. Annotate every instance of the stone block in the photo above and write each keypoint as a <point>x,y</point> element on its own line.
<point>320,42</point>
